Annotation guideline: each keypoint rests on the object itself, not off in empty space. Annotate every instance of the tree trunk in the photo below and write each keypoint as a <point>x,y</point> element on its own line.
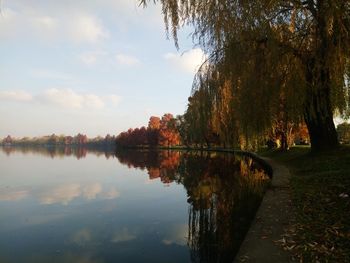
<point>318,112</point>
<point>284,141</point>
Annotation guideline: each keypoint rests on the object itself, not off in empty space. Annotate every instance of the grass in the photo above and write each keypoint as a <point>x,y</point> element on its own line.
<point>320,187</point>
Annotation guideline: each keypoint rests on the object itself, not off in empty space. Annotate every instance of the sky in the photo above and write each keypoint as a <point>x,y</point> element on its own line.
<point>93,67</point>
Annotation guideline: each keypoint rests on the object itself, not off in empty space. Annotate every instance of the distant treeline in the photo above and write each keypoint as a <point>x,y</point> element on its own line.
<point>54,151</point>
<point>61,140</point>
<point>167,131</point>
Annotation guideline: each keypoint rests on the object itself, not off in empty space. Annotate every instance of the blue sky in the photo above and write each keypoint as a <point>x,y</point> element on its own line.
<point>94,67</point>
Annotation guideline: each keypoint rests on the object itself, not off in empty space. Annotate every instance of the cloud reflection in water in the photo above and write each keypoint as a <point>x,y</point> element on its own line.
<point>60,194</point>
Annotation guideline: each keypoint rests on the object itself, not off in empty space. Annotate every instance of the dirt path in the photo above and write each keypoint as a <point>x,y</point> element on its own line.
<point>274,215</point>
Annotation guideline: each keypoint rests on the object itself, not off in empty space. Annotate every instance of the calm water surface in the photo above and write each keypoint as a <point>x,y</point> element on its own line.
<point>75,205</point>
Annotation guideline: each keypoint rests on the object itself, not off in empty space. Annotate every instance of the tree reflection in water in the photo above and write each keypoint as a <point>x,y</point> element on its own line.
<point>223,190</point>
<point>224,193</point>
<point>78,152</point>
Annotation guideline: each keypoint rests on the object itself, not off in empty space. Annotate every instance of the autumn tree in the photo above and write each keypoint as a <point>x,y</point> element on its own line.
<point>267,48</point>
<point>168,134</point>
<point>153,130</point>
<point>159,132</point>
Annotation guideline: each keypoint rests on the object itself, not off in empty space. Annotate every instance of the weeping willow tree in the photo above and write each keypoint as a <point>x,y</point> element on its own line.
<point>296,51</point>
<point>198,116</point>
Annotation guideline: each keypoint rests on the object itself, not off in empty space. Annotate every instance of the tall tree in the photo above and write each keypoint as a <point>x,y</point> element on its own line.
<point>168,131</point>
<point>153,131</point>
<point>268,47</point>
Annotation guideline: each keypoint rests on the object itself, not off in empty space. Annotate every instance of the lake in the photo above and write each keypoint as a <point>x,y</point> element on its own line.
<point>81,205</point>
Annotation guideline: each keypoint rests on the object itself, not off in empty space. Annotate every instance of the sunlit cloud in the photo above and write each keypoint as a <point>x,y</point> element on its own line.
<point>189,61</point>
<point>19,95</point>
<point>69,99</point>
<point>123,236</point>
<point>127,60</point>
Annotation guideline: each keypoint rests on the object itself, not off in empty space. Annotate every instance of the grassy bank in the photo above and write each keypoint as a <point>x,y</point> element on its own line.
<point>320,188</point>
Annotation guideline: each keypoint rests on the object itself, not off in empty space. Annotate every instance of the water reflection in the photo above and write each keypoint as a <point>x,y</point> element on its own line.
<point>60,194</point>
<point>58,151</point>
<point>222,192</point>
<point>159,164</point>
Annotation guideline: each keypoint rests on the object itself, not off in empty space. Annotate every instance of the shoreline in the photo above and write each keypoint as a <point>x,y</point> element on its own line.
<point>264,238</point>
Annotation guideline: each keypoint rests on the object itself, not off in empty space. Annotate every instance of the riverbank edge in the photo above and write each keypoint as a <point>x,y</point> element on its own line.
<point>264,164</point>
<point>264,239</point>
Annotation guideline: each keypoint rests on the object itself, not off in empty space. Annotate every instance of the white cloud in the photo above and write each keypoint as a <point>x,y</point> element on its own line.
<point>67,98</point>
<point>114,99</point>
<point>75,26</point>
<point>189,61</point>
<point>127,60</point>
<point>62,98</point>
<point>19,95</point>
<point>91,58</point>
<point>93,101</point>
<point>86,28</point>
